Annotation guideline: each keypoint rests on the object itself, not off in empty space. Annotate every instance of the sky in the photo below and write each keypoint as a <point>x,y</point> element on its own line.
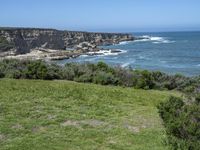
<point>102,15</point>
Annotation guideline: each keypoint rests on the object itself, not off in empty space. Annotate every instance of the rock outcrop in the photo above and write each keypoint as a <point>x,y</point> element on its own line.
<point>25,39</point>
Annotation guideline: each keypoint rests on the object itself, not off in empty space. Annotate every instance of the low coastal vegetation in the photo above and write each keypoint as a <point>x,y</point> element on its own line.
<point>99,73</point>
<point>180,115</point>
<point>182,122</point>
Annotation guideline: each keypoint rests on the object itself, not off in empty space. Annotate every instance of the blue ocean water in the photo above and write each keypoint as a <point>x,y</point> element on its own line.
<point>170,52</point>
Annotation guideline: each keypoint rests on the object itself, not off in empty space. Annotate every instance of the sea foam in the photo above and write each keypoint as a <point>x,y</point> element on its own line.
<point>107,52</point>
<point>154,39</point>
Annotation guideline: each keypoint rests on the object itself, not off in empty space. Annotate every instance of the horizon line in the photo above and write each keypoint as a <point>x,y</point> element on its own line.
<point>99,30</point>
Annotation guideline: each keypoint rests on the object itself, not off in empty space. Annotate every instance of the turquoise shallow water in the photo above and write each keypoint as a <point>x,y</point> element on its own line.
<point>170,52</point>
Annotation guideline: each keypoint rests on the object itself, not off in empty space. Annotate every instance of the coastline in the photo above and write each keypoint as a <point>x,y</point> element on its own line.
<point>49,54</point>
<point>51,44</point>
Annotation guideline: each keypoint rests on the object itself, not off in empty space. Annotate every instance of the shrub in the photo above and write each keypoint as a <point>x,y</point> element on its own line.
<point>104,78</point>
<point>101,66</point>
<point>2,70</point>
<point>2,75</point>
<point>36,70</point>
<point>143,79</point>
<point>125,77</point>
<point>68,72</point>
<point>182,122</point>
<point>16,74</point>
<point>53,72</point>
<point>99,73</point>
<point>84,78</point>
<point>197,98</point>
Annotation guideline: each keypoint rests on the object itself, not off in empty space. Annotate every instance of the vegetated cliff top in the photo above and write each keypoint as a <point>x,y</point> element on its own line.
<point>51,29</point>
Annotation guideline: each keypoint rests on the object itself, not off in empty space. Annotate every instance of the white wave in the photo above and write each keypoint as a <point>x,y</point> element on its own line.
<point>154,39</point>
<point>146,38</point>
<point>128,63</point>
<point>163,61</point>
<point>142,40</point>
<point>141,57</point>
<point>163,41</point>
<point>124,42</point>
<point>107,52</point>
<point>125,64</point>
<point>83,56</point>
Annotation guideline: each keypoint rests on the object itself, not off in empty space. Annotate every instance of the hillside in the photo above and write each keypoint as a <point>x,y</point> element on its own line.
<point>67,115</point>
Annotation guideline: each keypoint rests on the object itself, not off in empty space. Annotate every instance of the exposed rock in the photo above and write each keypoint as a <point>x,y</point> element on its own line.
<point>47,54</point>
<point>25,39</point>
<point>87,47</point>
<point>116,51</point>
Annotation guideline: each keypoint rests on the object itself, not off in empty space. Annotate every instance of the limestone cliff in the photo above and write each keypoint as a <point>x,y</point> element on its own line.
<point>25,39</point>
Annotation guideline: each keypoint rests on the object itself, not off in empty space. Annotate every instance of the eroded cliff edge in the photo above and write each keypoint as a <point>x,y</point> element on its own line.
<point>17,41</point>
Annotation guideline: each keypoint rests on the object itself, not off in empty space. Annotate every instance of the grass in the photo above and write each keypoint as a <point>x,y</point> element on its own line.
<point>62,115</point>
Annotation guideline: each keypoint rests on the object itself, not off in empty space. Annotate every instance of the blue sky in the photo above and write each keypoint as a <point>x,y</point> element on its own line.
<point>102,15</point>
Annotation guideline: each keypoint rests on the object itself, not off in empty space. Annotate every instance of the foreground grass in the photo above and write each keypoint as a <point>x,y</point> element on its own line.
<point>39,115</point>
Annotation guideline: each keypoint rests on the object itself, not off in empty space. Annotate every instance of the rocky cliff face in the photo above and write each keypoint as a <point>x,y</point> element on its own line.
<point>25,39</point>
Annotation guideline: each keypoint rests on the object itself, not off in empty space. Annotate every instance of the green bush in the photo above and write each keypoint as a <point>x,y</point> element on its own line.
<point>99,73</point>
<point>1,74</point>
<point>68,74</point>
<point>182,122</point>
<point>84,78</point>
<point>125,77</point>
<point>104,78</point>
<point>143,79</point>
<point>101,66</point>
<point>53,72</point>
<point>36,70</point>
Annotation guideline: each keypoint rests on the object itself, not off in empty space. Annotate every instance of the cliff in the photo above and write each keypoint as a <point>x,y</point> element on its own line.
<point>22,40</point>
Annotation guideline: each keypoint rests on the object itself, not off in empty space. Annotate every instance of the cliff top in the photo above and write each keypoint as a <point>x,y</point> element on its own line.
<point>51,29</point>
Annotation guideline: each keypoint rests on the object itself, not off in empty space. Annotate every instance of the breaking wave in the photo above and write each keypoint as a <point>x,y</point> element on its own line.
<point>124,42</point>
<point>125,65</point>
<point>107,52</point>
<point>153,39</point>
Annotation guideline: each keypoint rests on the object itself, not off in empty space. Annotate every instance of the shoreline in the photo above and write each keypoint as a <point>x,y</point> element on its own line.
<point>51,55</point>
<point>84,48</point>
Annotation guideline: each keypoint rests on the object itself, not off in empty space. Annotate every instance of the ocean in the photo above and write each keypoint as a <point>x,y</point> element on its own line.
<point>169,52</point>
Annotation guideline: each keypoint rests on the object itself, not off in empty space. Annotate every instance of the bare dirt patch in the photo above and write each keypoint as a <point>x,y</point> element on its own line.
<point>51,117</point>
<point>71,123</point>
<point>132,128</point>
<point>39,129</point>
<point>91,122</point>
<point>2,137</point>
<point>17,126</point>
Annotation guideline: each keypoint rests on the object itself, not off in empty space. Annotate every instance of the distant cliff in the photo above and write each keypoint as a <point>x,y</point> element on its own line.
<point>22,40</point>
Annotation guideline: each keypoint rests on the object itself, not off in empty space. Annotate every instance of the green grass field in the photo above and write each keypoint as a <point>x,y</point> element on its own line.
<point>51,115</point>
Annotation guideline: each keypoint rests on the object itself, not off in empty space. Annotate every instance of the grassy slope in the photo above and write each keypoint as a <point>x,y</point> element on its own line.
<point>39,115</point>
